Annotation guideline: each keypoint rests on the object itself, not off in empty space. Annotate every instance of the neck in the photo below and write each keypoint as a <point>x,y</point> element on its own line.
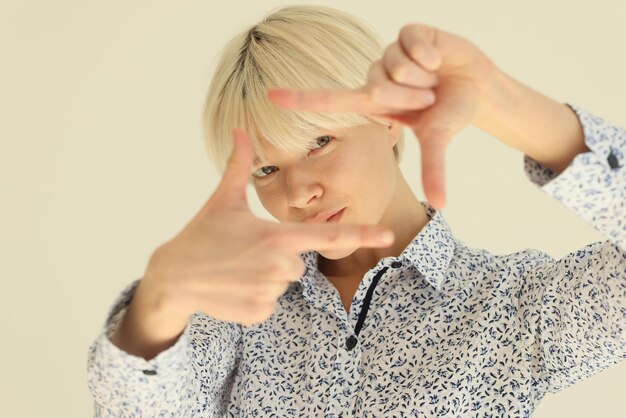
<point>405,217</point>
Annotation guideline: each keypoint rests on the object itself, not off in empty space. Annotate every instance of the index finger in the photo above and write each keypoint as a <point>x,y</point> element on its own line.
<point>325,100</point>
<point>326,236</point>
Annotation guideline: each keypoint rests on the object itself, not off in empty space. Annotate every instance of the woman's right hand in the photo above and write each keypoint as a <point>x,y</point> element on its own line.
<point>228,263</point>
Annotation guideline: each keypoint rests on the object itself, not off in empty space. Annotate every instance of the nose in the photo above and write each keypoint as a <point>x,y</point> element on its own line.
<point>302,188</point>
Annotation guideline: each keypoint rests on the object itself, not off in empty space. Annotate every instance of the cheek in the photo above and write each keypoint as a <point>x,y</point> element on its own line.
<point>370,180</point>
<point>339,173</point>
<point>273,202</point>
<point>368,171</point>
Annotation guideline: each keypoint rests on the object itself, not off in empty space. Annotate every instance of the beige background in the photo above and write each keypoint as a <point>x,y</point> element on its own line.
<point>102,159</point>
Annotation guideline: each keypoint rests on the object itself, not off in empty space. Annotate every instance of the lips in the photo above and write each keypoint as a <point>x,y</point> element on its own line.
<point>323,216</point>
<point>336,217</point>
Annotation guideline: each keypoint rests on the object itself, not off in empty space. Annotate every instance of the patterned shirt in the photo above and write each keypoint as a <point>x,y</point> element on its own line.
<point>441,330</point>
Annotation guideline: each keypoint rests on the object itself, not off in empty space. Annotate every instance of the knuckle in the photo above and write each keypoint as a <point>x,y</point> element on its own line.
<point>334,235</point>
<point>273,239</point>
<point>399,72</point>
<point>296,269</point>
<point>159,254</point>
<point>372,93</point>
<point>264,291</point>
<point>404,29</point>
<point>274,269</point>
<point>158,261</point>
<point>414,51</point>
<point>302,268</point>
<point>258,309</point>
<point>408,29</point>
<point>429,32</point>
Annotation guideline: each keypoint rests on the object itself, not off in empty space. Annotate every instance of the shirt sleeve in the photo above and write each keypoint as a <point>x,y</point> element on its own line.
<point>573,310</point>
<point>193,376</point>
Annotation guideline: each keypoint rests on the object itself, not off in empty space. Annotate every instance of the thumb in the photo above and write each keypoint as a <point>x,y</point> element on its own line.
<point>232,188</point>
<point>435,129</point>
<point>433,150</point>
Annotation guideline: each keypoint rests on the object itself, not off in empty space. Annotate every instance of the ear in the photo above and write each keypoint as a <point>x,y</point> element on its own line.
<point>394,130</point>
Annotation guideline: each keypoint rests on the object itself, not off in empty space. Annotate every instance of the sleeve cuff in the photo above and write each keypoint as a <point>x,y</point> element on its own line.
<point>173,358</point>
<point>605,141</point>
<point>593,185</point>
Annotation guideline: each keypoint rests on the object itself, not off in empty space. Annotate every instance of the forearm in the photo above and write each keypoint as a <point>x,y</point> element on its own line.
<point>138,336</point>
<point>544,129</point>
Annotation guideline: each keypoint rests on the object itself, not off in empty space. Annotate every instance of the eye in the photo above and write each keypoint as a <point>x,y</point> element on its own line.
<point>320,142</point>
<point>327,139</point>
<point>264,171</point>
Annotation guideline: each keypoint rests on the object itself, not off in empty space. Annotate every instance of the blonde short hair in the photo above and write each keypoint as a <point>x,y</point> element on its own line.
<point>295,46</point>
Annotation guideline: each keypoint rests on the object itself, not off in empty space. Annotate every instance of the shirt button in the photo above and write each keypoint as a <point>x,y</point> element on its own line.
<point>149,372</point>
<point>396,264</point>
<point>351,342</point>
<point>613,161</point>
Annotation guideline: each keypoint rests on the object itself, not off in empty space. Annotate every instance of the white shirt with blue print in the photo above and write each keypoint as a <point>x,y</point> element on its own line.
<point>441,330</point>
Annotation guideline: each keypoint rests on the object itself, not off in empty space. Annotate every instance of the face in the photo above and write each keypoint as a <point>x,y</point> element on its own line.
<point>352,168</point>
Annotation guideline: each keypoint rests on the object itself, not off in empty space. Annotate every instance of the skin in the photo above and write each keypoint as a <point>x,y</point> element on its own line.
<point>427,64</point>
<point>468,89</point>
<point>436,83</point>
<point>227,263</point>
<point>356,169</point>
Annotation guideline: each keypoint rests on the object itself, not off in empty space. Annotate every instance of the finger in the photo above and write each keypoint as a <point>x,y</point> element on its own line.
<point>420,43</point>
<point>324,100</point>
<point>433,151</point>
<point>227,307</point>
<point>390,96</point>
<point>265,288</point>
<point>299,237</point>
<point>232,188</point>
<point>279,267</point>
<point>408,118</point>
<point>400,68</point>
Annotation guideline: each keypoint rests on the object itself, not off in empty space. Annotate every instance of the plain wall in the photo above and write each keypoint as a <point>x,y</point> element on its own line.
<point>102,159</point>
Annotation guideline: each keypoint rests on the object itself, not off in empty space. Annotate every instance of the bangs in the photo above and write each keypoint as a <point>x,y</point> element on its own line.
<point>294,61</point>
<point>300,48</point>
<point>287,130</point>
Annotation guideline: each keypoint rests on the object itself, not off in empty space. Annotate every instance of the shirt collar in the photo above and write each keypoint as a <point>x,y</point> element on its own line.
<point>430,252</point>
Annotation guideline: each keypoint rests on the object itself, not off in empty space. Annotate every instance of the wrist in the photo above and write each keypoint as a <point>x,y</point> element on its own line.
<point>540,127</point>
<point>500,95</point>
<point>145,329</point>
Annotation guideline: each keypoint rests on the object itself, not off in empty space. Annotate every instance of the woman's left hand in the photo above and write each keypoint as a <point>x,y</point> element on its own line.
<point>423,61</point>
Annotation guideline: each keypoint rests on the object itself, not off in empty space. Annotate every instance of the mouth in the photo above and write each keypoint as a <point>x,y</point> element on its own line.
<point>336,217</point>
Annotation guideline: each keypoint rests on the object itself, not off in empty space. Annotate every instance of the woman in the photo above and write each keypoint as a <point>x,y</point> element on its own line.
<point>246,317</point>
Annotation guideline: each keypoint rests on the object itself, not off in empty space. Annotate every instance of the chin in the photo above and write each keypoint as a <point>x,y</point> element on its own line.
<point>336,254</point>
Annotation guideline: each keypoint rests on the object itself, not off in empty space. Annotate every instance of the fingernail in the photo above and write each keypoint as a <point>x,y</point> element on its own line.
<point>429,98</point>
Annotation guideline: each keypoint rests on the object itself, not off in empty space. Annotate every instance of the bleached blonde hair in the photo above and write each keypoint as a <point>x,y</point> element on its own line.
<point>303,47</point>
